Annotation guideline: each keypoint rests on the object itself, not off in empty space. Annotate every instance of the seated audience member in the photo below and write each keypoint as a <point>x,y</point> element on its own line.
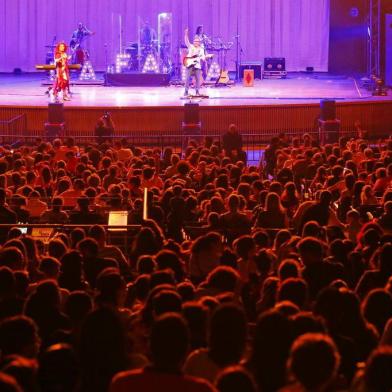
<point>55,214</point>
<point>70,196</point>
<point>321,212</point>
<point>44,307</point>
<point>93,265</point>
<point>103,349</point>
<point>18,205</point>
<point>124,153</point>
<point>71,272</point>
<point>235,378</point>
<point>205,255</point>
<point>35,206</point>
<point>228,324</point>
<point>377,277</point>
<point>58,369</point>
<point>234,222</point>
<point>19,335</point>
<point>314,363</point>
<point>273,216</point>
<point>169,342</point>
<point>84,215</point>
<point>376,376</point>
<point>317,272</point>
<point>385,220</point>
<point>108,251</point>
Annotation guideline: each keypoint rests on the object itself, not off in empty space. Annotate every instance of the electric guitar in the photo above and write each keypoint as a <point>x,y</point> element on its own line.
<point>191,61</point>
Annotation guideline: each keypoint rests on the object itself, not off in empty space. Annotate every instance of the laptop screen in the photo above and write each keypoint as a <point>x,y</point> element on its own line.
<point>118,218</point>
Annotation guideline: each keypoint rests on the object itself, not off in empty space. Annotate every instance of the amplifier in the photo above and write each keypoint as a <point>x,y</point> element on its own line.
<point>255,65</point>
<point>274,68</point>
<point>274,64</point>
<point>55,113</point>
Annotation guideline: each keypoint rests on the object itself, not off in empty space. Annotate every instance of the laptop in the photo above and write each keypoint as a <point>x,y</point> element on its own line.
<point>118,218</point>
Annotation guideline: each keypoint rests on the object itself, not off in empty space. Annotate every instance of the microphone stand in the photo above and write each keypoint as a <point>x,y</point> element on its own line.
<point>239,52</point>
<point>106,57</point>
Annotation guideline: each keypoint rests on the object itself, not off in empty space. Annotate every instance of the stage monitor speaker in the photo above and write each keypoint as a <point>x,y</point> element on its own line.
<point>54,130</point>
<point>327,109</point>
<point>388,49</point>
<point>329,131</point>
<point>274,64</point>
<point>191,113</point>
<point>55,113</point>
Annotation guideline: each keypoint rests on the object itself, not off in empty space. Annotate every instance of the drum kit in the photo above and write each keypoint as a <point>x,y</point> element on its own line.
<point>138,55</point>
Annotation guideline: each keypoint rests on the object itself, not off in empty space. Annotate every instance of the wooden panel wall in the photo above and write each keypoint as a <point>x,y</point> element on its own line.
<point>374,116</point>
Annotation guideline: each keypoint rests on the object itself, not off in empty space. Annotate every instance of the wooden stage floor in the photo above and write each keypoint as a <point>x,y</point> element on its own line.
<point>290,104</point>
<point>297,88</point>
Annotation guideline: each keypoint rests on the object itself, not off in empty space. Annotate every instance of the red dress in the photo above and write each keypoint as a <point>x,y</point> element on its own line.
<point>61,82</point>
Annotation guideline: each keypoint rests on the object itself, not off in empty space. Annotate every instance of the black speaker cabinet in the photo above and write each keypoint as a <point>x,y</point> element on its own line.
<point>54,130</point>
<point>329,131</point>
<point>327,109</point>
<point>274,64</point>
<point>55,113</point>
<point>191,113</point>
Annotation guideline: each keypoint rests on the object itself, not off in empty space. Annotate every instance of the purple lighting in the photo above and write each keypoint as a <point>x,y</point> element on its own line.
<point>297,30</point>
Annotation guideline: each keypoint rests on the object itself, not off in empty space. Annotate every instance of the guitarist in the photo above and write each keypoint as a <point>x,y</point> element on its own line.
<point>196,54</point>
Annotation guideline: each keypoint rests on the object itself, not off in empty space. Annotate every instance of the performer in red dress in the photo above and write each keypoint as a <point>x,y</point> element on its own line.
<point>61,82</point>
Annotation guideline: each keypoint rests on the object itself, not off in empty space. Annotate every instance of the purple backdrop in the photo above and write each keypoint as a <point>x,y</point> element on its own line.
<point>295,29</point>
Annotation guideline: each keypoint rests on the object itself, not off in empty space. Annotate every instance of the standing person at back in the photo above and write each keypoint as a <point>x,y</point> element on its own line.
<point>232,144</point>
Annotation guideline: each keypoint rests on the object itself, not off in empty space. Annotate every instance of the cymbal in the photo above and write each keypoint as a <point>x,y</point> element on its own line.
<point>50,46</point>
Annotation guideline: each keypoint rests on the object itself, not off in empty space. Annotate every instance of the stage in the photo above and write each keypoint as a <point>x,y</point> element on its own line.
<point>271,106</point>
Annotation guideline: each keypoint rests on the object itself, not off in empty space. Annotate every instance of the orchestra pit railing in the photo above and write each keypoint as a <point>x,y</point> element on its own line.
<point>13,129</point>
<point>253,143</point>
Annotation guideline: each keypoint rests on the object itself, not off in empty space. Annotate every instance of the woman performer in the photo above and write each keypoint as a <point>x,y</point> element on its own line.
<point>61,82</point>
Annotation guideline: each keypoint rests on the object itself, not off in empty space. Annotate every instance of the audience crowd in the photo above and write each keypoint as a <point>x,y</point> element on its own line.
<point>274,277</point>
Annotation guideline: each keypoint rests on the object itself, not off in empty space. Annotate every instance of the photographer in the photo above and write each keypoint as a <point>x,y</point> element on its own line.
<point>104,129</point>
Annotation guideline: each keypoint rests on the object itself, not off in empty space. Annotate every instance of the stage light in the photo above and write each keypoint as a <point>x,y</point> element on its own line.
<point>150,64</point>
<point>183,74</point>
<point>87,72</point>
<point>214,71</point>
<point>122,61</point>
